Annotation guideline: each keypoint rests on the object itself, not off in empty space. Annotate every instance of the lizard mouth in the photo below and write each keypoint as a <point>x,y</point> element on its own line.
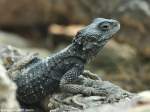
<point>103,40</point>
<point>116,27</point>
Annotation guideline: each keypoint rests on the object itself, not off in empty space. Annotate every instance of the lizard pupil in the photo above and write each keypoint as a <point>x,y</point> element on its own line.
<point>105,26</point>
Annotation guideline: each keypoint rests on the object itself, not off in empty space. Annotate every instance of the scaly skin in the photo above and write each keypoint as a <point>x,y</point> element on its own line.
<point>63,69</point>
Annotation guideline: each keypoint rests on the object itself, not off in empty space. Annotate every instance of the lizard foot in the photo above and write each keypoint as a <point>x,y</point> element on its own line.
<point>89,91</point>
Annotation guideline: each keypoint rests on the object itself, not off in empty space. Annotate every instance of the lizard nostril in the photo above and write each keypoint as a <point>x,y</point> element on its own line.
<point>115,23</point>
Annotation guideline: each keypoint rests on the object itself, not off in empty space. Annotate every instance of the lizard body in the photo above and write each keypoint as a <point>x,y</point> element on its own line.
<point>62,69</point>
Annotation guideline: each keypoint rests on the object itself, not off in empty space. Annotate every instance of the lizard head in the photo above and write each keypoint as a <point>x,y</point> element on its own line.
<point>94,36</point>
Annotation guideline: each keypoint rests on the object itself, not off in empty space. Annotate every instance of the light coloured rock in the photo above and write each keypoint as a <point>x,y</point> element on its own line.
<point>13,40</point>
<point>143,103</point>
<point>145,97</point>
<point>145,108</point>
<point>115,53</point>
<point>8,102</point>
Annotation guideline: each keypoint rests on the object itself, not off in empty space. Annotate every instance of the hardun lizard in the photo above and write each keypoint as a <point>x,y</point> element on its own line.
<point>61,70</point>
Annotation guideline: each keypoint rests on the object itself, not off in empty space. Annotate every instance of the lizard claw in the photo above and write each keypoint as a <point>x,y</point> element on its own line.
<point>91,75</point>
<point>112,99</point>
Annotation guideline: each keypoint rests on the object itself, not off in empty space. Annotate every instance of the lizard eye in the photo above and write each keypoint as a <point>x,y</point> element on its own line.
<point>104,26</point>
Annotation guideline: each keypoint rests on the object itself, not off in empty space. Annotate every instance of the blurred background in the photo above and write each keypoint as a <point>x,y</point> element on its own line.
<point>47,26</point>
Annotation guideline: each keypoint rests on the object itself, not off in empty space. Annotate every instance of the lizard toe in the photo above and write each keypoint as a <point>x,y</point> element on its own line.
<point>88,91</point>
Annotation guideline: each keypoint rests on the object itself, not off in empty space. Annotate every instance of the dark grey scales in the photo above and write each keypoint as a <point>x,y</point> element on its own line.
<point>61,70</point>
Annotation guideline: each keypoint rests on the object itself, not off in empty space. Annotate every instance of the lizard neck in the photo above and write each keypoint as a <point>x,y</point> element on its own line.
<point>75,50</point>
<point>78,51</point>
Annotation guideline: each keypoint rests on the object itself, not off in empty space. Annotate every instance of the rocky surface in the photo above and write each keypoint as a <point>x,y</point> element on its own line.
<point>137,104</point>
<point>64,101</point>
<point>8,88</point>
<point>10,39</point>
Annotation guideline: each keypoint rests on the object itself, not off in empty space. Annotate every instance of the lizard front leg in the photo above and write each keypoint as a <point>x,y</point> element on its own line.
<point>91,75</point>
<point>68,84</point>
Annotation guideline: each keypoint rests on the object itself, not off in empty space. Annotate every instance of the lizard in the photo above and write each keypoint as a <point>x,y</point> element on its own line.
<point>61,70</point>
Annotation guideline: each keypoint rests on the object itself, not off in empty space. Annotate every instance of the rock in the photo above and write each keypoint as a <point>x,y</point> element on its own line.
<point>122,106</point>
<point>7,40</point>
<point>138,103</point>
<point>144,98</point>
<point>143,103</point>
<point>145,108</point>
<point>8,88</point>
<point>69,102</point>
<point>10,39</point>
<point>10,55</point>
<point>113,56</point>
